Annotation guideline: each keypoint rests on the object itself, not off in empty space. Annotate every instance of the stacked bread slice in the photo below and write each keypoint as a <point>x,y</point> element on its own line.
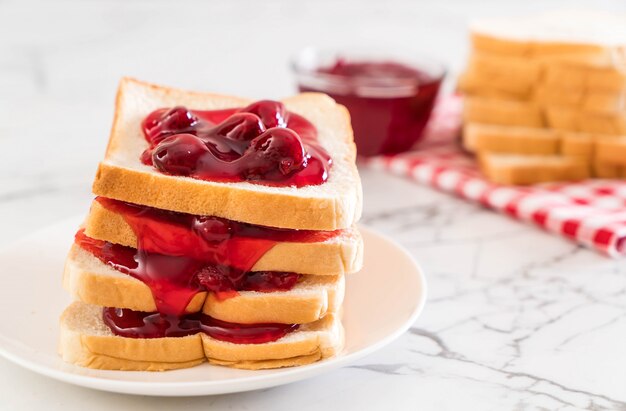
<point>169,271</point>
<point>535,87</point>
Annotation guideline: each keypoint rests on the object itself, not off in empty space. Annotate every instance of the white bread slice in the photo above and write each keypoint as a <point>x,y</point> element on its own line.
<point>579,144</point>
<point>521,170</point>
<point>339,255</point>
<point>568,119</point>
<point>586,144</point>
<point>607,170</point>
<point>86,341</point>
<point>559,32</point>
<point>89,280</point>
<point>510,139</point>
<point>472,84</point>
<point>540,141</point>
<point>333,205</point>
<point>501,112</point>
<point>579,98</point>
<point>601,75</point>
<point>611,151</point>
<point>311,342</point>
<point>490,75</point>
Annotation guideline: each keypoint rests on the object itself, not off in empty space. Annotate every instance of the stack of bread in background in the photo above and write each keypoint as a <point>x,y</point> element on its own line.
<point>545,97</point>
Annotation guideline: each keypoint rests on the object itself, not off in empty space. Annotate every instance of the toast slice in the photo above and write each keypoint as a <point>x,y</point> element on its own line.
<point>89,280</point>
<point>339,255</point>
<point>501,112</point>
<point>522,170</point>
<point>336,204</point>
<point>86,341</point>
<point>510,139</point>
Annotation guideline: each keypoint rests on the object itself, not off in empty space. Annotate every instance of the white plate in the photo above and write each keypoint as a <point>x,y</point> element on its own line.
<point>382,301</point>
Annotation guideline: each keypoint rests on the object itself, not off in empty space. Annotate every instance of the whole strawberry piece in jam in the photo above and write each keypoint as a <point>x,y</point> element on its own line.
<point>179,154</point>
<point>278,151</point>
<point>272,113</point>
<point>164,123</point>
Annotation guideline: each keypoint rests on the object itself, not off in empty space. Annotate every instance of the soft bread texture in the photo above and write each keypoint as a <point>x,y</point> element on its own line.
<point>86,341</point>
<point>562,32</point>
<point>588,82</point>
<point>611,151</point>
<point>333,205</point>
<point>501,112</point>
<point>547,149</point>
<point>581,99</point>
<point>573,119</point>
<point>533,140</point>
<point>603,74</point>
<point>493,75</point>
<point>503,139</point>
<point>579,145</point>
<point>342,254</point>
<point>474,84</point>
<point>89,280</point>
<point>607,170</point>
<point>550,93</point>
<point>522,170</point>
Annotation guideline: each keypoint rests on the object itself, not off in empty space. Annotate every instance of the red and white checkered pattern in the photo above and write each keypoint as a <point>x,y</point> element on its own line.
<point>591,212</point>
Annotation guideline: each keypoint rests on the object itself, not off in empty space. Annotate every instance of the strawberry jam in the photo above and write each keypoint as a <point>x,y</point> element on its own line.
<point>262,143</point>
<point>137,324</point>
<point>174,280</point>
<point>389,102</point>
<point>178,255</point>
<point>211,239</point>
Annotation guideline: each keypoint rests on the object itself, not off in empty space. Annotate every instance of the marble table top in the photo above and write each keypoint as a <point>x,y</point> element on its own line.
<point>516,319</point>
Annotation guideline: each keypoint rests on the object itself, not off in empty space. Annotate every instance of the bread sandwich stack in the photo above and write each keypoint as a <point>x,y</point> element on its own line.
<point>222,231</point>
<point>545,97</point>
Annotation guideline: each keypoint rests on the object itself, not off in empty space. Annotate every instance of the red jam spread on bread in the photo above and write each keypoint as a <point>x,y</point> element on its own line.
<point>137,324</point>
<point>262,143</point>
<point>175,279</point>
<point>212,239</point>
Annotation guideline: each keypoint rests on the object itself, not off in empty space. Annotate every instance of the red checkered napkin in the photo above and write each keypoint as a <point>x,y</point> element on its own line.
<point>591,212</point>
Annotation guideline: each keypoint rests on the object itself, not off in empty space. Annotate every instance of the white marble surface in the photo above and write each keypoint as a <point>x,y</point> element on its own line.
<point>516,320</point>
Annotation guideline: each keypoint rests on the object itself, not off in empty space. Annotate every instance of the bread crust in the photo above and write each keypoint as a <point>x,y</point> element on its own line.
<point>338,256</point>
<point>334,205</point>
<point>533,169</point>
<point>507,139</point>
<point>502,112</point>
<point>92,282</point>
<point>611,151</point>
<point>87,342</point>
<point>513,47</point>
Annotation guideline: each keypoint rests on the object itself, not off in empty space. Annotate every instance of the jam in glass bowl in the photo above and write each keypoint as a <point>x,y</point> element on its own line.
<point>389,95</point>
